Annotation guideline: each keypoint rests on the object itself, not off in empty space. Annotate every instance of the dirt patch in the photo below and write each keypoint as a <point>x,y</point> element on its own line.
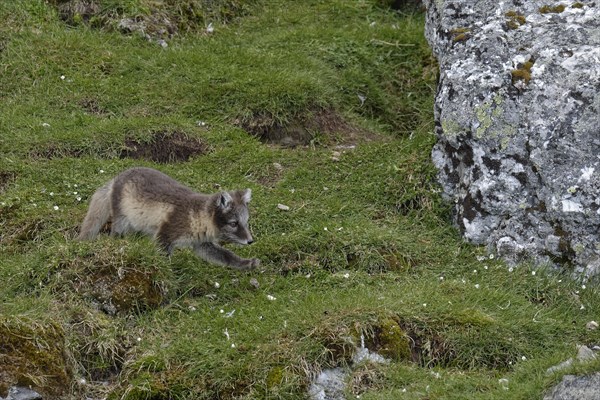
<point>402,5</point>
<point>165,147</point>
<point>32,354</point>
<point>6,178</point>
<point>158,20</point>
<point>320,127</point>
<point>75,12</point>
<point>91,106</point>
<point>162,147</point>
<point>427,348</point>
<point>57,150</point>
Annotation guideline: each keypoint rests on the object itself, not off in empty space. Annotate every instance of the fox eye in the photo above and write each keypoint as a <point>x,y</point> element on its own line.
<point>233,224</point>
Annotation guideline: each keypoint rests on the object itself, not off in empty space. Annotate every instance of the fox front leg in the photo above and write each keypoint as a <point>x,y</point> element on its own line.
<point>216,254</point>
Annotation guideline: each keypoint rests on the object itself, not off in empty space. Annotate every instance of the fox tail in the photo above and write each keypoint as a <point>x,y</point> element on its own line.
<point>98,213</point>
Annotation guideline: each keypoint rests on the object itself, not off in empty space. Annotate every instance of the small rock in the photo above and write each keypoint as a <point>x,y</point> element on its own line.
<point>592,325</point>
<point>278,166</point>
<point>283,207</point>
<point>584,353</point>
<point>22,393</point>
<point>254,283</point>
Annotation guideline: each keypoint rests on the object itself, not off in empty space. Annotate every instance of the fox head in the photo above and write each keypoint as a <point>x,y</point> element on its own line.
<point>231,216</point>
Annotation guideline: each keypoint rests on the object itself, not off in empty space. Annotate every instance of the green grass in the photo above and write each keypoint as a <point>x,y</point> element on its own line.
<point>367,243</point>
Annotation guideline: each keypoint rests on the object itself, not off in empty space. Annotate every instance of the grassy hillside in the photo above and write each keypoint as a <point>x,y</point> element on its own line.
<point>321,105</point>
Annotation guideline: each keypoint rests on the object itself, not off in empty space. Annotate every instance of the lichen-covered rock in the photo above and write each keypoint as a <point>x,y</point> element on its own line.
<point>518,121</point>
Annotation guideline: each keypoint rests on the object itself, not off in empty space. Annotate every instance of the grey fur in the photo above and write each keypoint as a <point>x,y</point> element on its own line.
<point>146,200</point>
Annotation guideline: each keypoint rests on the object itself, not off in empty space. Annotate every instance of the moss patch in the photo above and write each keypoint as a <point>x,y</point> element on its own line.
<point>523,72</point>
<point>514,19</point>
<point>547,9</point>
<point>460,34</point>
<point>33,354</point>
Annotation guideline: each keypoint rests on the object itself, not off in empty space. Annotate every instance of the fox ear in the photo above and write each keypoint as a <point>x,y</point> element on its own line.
<point>247,196</point>
<point>224,200</point>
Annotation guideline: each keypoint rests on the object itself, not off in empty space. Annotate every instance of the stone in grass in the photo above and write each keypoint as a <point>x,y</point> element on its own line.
<point>576,387</point>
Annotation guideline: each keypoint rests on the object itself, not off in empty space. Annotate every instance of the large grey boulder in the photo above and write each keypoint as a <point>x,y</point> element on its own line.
<point>576,387</point>
<point>518,125</point>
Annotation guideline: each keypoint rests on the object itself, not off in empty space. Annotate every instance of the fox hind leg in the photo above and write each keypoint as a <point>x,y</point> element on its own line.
<point>120,226</point>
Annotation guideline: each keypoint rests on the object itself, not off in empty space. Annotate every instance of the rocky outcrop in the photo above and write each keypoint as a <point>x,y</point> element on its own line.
<point>518,120</point>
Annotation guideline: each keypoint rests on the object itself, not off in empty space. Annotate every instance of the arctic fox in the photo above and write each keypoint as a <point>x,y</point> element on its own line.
<point>146,200</point>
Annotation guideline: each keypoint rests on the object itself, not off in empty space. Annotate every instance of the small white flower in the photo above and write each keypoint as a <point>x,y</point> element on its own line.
<point>217,285</point>
<point>524,358</point>
<point>424,304</point>
<point>221,311</point>
<point>101,171</point>
<point>74,192</point>
<point>583,286</point>
<point>511,269</point>
<point>233,345</point>
<point>325,229</point>
<point>491,256</point>
<point>485,267</point>
<point>346,275</point>
<point>74,185</point>
<point>51,193</point>
<point>441,278</point>
<point>62,77</point>
<point>582,307</point>
<point>477,286</point>
<point>191,308</point>
<point>271,298</point>
<point>533,273</point>
<point>46,125</point>
<point>78,198</point>
<point>474,271</point>
<point>55,208</point>
<point>139,339</point>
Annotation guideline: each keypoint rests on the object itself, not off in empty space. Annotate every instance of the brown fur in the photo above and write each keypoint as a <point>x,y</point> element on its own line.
<point>146,200</point>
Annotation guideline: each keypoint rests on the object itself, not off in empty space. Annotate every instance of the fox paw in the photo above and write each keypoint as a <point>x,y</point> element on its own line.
<point>250,263</point>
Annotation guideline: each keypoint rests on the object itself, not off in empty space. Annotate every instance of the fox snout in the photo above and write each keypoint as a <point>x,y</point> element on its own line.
<point>248,238</point>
